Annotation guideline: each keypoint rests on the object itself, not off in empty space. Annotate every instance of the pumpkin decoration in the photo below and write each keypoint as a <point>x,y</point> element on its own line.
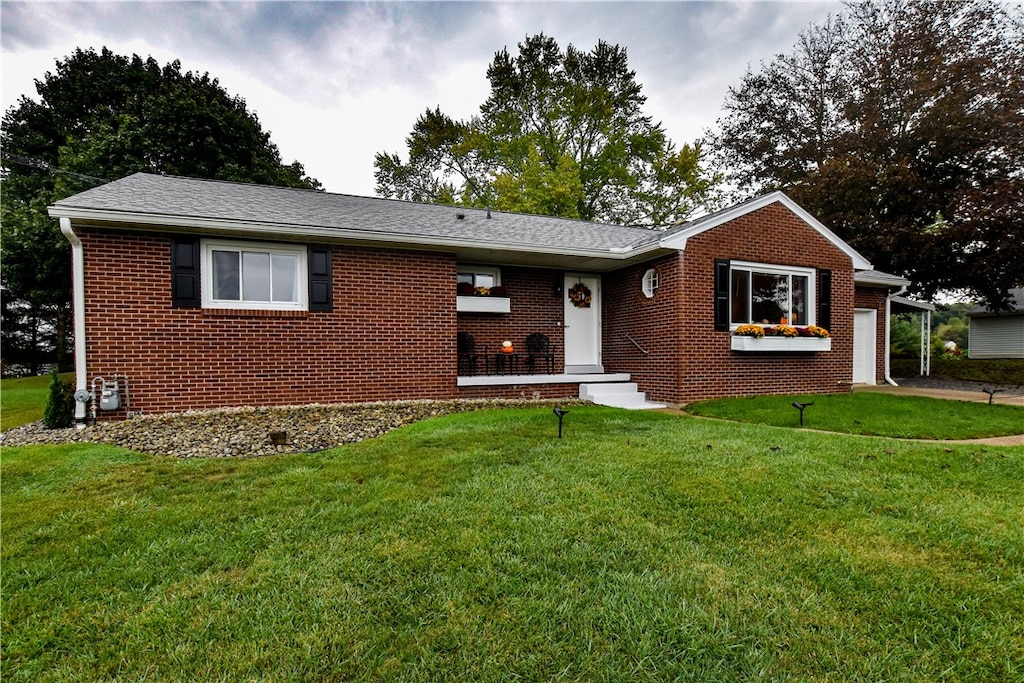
<point>506,347</point>
<point>580,295</point>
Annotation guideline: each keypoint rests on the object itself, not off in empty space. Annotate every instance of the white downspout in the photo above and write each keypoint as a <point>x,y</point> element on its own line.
<point>888,306</point>
<point>78,308</point>
<point>888,313</point>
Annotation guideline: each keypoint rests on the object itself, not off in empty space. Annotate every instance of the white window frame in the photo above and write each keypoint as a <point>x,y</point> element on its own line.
<point>649,283</point>
<point>302,276</point>
<point>773,269</point>
<point>476,270</point>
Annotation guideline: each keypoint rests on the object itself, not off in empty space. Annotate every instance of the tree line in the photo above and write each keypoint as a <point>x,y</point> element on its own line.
<point>899,124</point>
<point>98,117</point>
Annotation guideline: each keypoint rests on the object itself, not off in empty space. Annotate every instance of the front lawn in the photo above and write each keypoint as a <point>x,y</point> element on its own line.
<point>910,417</point>
<point>642,547</point>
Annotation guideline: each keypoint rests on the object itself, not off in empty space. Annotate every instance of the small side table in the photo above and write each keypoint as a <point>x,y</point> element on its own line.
<point>506,363</point>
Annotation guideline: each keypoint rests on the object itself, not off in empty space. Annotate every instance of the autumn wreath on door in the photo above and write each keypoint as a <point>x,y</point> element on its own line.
<point>580,295</point>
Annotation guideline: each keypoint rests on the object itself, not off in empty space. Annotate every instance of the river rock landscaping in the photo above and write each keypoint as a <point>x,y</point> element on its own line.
<point>247,432</point>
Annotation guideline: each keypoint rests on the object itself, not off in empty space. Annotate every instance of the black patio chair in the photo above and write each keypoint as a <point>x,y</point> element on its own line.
<point>468,357</point>
<point>538,349</point>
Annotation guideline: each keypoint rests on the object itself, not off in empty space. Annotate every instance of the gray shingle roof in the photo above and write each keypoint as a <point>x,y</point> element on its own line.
<point>1016,303</point>
<point>188,198</point>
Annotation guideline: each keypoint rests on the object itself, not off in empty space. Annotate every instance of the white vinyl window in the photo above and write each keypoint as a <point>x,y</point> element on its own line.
<point>479,276</point>
<point>254,276</point>
<point>768,294</point>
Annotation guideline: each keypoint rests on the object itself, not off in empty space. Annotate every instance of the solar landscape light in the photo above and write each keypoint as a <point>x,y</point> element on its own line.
<point>991,393</point>
<point>800,406</point>
<point>560,414</point>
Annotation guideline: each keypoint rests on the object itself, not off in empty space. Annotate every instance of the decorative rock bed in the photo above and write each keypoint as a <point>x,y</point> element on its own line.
<point>246,432</point>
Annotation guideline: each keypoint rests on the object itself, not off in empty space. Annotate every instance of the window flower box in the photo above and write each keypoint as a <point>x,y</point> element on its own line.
<point>741,343</point>
<point>483,304</point>
<point>781,337</point>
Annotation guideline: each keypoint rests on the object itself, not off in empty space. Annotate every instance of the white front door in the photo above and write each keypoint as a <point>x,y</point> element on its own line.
<point>582,323</point>
<point>864,338</point>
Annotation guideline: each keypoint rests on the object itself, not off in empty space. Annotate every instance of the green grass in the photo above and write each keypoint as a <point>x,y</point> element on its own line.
<point>875,414</point>
<point>23,400</point>
<point>641,547</point>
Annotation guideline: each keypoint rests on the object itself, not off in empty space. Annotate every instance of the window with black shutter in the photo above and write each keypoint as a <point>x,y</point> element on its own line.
<point>748,293</point>
<point>235,274</point>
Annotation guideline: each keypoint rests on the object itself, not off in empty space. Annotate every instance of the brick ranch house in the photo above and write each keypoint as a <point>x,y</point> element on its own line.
<point>196,294</point>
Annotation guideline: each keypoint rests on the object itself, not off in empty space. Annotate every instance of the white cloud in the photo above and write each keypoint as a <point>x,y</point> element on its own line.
<point>336,82</point>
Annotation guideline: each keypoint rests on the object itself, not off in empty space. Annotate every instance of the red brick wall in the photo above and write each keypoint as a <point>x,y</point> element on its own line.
<point>391,334</point>
<point>653,322</point>
<point>535,307</point>
<point>689,359</point>
<point>874,297</point>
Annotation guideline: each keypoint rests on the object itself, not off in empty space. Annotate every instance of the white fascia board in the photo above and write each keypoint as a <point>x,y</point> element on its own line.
<point>302,232</point>
<point>678,240</point>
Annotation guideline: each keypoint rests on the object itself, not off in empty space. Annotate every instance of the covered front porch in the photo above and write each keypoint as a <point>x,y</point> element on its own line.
<point>535,333</point>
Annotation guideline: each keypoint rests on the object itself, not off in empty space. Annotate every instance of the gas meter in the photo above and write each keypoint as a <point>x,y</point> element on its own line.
<point>109,394</point>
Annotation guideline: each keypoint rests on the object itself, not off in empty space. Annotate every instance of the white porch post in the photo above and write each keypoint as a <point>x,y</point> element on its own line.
<point>928,341</point>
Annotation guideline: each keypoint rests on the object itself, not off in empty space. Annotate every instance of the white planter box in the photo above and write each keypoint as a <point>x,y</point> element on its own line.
<point>483,304</point>
<point>766,344</point>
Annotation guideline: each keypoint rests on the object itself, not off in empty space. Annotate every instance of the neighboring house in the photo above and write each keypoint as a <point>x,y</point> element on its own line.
<point>198,294</point>
<point>998,335</point>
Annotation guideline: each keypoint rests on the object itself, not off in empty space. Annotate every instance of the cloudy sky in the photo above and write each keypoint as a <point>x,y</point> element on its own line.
<point>336,82</point>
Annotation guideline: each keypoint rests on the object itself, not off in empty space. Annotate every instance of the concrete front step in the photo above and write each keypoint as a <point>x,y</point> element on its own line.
<point>617,395</point>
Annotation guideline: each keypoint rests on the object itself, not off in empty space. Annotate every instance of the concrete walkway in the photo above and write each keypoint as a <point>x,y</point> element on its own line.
<point>1003,398</point>
<point>954,395</point>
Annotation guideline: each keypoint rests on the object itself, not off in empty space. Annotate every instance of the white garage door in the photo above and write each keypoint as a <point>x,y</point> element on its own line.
<point>864,345</point>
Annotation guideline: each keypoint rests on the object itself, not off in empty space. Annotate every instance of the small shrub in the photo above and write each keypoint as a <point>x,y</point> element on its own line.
<point>60,406</point>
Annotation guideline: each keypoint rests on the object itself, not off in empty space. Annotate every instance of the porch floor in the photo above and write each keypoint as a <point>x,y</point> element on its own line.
<point>520,380</point>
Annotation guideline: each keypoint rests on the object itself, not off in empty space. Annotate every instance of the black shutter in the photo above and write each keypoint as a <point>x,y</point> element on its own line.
<point>320,285</point>
<point>721,294</point>
<point>185,273</point>
<point>825,299</point>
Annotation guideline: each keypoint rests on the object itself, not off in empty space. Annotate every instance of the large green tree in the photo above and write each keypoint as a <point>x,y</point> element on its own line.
<point>98,117</point>
<point>900,124</point>
<point>562,133</point>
